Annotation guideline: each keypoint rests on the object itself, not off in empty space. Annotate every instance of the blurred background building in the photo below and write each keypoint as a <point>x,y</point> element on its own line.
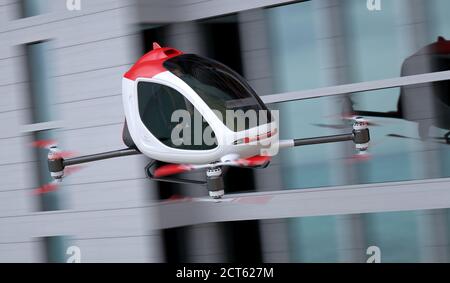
<point>61,64</point>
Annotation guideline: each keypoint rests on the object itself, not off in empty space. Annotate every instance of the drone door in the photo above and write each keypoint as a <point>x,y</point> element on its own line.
<point>171,118</point>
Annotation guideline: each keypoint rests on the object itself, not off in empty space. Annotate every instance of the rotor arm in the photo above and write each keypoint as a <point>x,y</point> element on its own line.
<point>57,164</point>
<point>100,156</point>
<point>360,136</point>
<point>324,139</point>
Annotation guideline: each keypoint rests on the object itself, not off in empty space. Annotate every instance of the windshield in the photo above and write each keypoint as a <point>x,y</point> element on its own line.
<point>157,105</point>
<point>222,90</point>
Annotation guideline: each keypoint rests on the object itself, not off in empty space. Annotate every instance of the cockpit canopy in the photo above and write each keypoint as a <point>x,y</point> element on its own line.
<point>223,90</point>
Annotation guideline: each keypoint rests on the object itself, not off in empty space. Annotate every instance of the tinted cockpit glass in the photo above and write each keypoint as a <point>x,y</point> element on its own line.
<point>158,105</point>
<point>222,89</point>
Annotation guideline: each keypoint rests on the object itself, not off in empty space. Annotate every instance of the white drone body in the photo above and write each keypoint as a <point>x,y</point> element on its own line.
<point>150,80</point>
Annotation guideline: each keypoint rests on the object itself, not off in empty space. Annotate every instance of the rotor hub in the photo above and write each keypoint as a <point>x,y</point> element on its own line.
<point>214,172</point>
<point>55,163</point>
<point>361,135</point>
<point>214,182</point>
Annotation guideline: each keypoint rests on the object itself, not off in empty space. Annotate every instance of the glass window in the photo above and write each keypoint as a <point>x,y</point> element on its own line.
<point>220,87</point>
<point>157,104</point>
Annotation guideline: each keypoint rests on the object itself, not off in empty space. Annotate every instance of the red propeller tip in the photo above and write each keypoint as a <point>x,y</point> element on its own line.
<point>43,143</point>
<point>349,116</point>
<point>46,189</point>
<point>254,200</point>
<point>360,158</point>
<point>175,198</point>
<point>171,169</point>
<point>364,156</point>
<point>71,170</point>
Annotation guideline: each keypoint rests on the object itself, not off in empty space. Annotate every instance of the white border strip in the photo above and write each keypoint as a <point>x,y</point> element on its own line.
<point>357,87</point>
